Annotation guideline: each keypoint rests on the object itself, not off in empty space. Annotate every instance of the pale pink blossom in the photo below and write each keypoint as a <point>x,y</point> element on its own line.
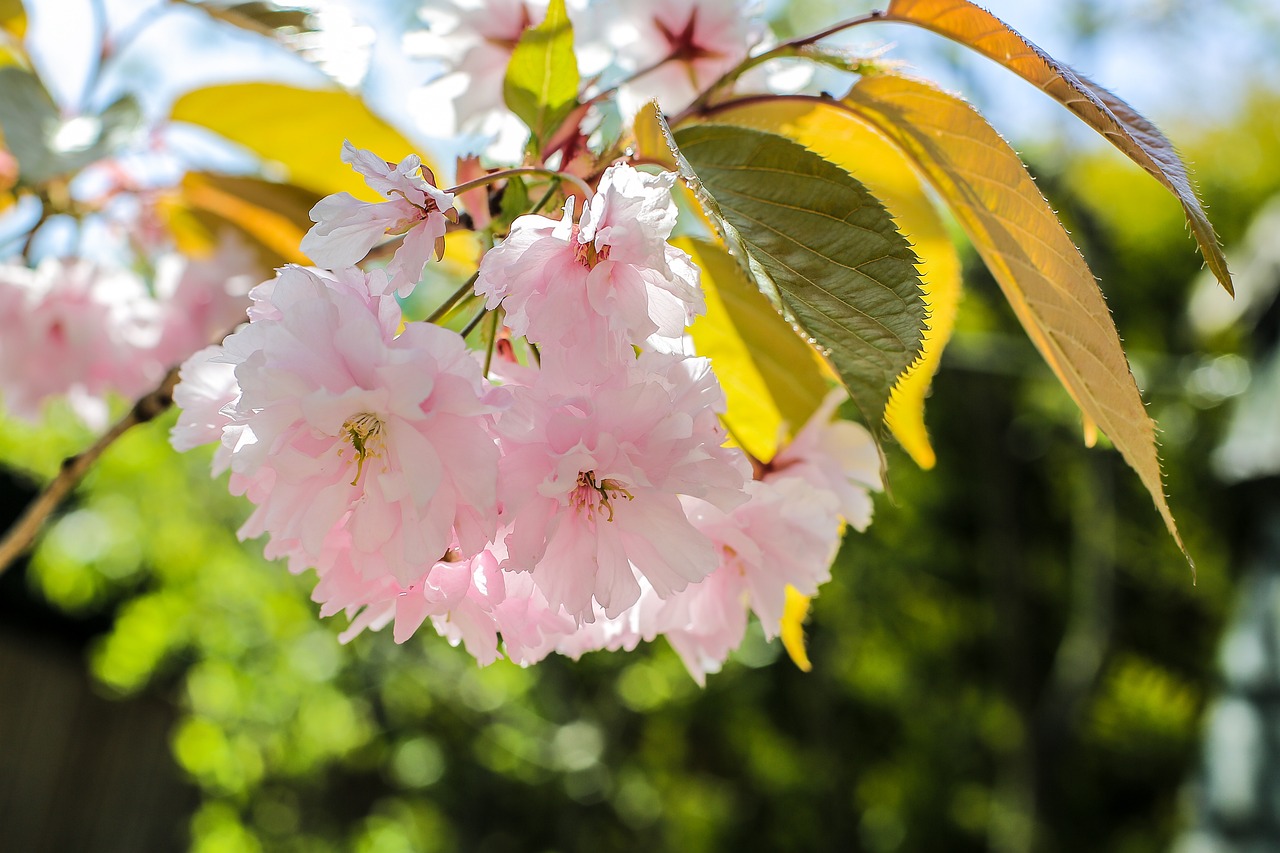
<point>677,48</point>
<point>469,602</point>
<point>602,285</point>
<point>75,329</point>
<point>457,594</point>
<point>202,298</point>
<point>590,479</point>
<point>787,533</point>
<point>346,228</point>
<point>839,456</point>
<point>472,42</point>
<point>345,425</point>
<point>707,621</point>
<point>206,390</point>
<point>474,39</point>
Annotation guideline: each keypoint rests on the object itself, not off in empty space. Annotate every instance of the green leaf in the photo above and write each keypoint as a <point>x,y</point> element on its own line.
<point>31,124</point>
<point>1030,254</point>
<point>299,129</point>
<point>770,376</point>
<point>541,86</point>
<point>28,118</point>
<point>824,127</point>
<point>823,247</point>
<point>1122,125</point>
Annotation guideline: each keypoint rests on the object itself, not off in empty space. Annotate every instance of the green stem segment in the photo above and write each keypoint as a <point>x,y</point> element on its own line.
<point>454,299</point>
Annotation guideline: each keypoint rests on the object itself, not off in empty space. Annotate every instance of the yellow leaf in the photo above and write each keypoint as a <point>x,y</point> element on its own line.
<point>651,141</point>
<point>1051,289</point>
<point>769,374</point>
<point>794,613</point>
<point>277,231</point>
<point>302,130</point>
<point>13,19</point>
<point>1140,140</point>
<point>833,133</point>
<point>273,216</point>
<point>1090,430</point>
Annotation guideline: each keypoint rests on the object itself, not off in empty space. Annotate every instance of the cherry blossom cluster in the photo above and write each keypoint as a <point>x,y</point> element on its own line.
<point>582,499</point>
<point>668,50</point>
<point>84,331</point>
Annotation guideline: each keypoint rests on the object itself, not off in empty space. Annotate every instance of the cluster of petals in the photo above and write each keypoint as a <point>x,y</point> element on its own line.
<point>346,228</point>
<point>672,50</point>
<point>85,331</point>
<point>602,284</point>
<point>786,533</point>
<point>591,479</point>
<point>666,50</point>
<point>586,500</point>
<point>342,424</point>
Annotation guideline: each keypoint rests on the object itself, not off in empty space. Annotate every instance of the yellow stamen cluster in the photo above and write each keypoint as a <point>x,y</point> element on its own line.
<point>364,431</point>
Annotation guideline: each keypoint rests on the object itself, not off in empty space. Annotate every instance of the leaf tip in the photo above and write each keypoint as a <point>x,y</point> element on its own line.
<point>794,613</point>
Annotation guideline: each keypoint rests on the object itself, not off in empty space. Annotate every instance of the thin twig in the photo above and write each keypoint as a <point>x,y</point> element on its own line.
<point>19,537</point>
<point>791,47</point>
<point>542,202</point>
<point>494,177</point>
<point>473,322</point>
<point>454,299</point>
<point>489,345</point>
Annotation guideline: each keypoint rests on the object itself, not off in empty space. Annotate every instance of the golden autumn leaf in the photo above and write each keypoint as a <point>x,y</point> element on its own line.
<point>1139,139</point>
<point>651,137</point>
<point>1051,289</point>
<point>794,612</point>
<point>13,19</point>
<point>299,129</point>
<point>770,376</point>
<point>832,132</point>
<point>274,216</point>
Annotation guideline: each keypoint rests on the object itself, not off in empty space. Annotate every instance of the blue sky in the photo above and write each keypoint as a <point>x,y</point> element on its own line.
<point>1169,58</point>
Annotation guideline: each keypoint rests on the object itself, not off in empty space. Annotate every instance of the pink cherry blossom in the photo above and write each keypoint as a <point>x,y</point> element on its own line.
<point>75,329</point>
<point>601,285</point>
<point>345,425</point>
<point>590,479</point>
<point>839,456</point>
<point>686,44</point>
<point>346,228</point>
<point>787,533</point>
<point>457,594</point>
<point>202,299</point>
<point>206,388</point>
<point>475,39</point>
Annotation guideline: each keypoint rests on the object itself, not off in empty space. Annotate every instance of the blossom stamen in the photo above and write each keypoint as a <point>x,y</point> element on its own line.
<point>586,253</point>
<point>364,431</point>
<point>590,495</point>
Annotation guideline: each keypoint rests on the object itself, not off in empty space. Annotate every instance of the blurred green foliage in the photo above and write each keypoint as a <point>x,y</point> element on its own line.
<point>1013,657</point>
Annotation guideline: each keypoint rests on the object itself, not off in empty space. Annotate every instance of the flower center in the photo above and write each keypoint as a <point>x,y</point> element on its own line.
<point>591,496</point>
<point>683,44</point>
<point>364,431</point>
<point>586,253</point>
